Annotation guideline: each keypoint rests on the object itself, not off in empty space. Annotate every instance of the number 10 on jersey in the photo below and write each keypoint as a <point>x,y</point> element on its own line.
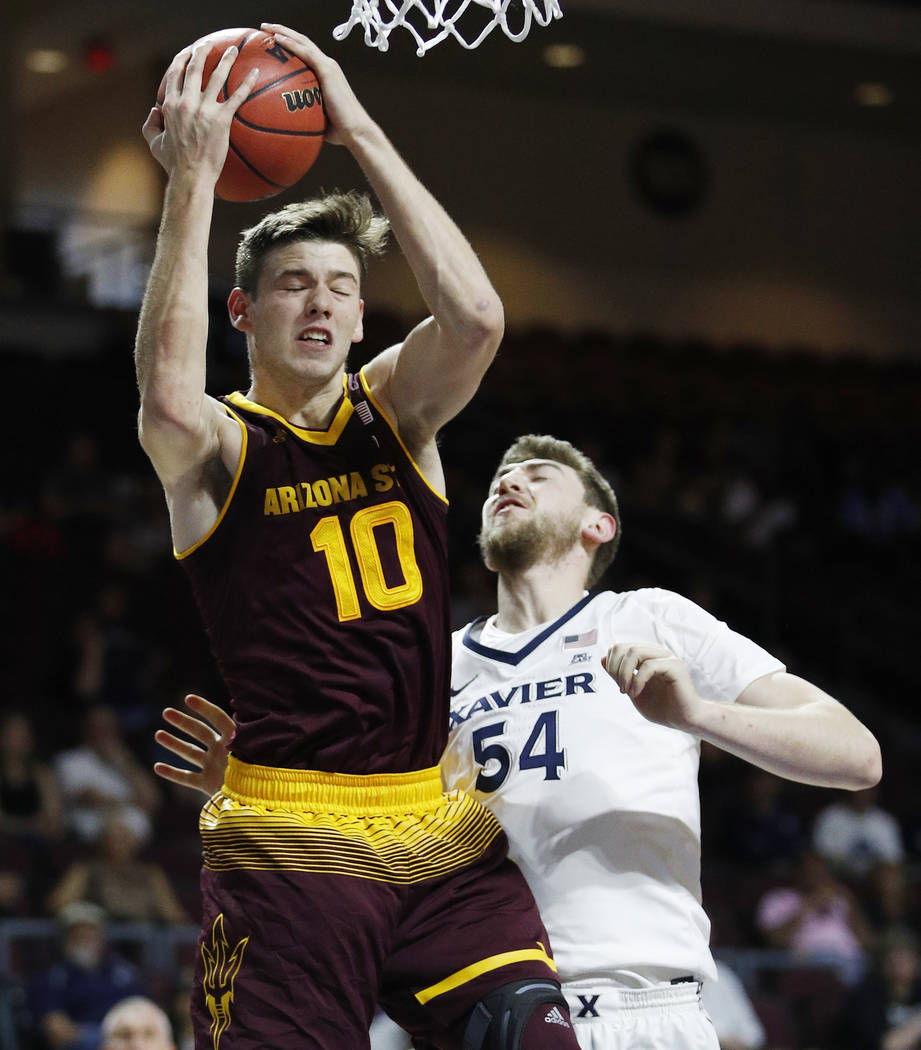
<point>327,537</point>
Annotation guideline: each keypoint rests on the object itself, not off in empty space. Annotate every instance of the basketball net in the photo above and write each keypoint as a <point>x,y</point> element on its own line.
<point>432,21</point>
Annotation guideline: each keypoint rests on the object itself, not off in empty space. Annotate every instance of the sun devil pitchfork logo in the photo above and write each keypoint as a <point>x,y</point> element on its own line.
<point>221,967</point>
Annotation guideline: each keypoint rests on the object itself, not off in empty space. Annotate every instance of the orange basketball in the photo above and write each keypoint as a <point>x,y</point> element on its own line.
<point>278,131</point>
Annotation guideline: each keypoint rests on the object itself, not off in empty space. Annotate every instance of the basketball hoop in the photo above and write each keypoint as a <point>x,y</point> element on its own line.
<point>431,21</point>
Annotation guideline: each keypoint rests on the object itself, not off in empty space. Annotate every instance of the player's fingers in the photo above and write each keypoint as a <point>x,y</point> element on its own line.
<point>181,748</point>
<point>640,678</point>
<point>192,727</point>
<point>183,777</point>
<point>245,86</point>
<point>153,125</point>
<point>212,89</point>
<point>649,669</point>
<point>175,73</point>
<point>612,656</point>
<point>624,665</point>
<point>194,70</point>
<point>297,44</point>
<point>633,668</point>
<point>224,725</point>
<point>612,659</point>
<point>634,654</point>
<point>278,29</point>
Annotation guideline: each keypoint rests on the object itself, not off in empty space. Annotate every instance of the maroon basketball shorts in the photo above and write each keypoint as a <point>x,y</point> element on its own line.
<point>324,894</point>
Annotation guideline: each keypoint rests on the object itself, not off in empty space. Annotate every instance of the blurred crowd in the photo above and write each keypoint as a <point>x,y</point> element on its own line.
<point>777,490</point>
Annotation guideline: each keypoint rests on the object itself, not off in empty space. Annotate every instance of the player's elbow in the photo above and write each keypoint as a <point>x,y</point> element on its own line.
<point>485,327</point>
<point>493,318</point>
<point>864,768</point>
<point>871,766</point>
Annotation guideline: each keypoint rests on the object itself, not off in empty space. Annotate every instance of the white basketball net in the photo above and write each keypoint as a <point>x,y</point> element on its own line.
<point>435,20</point>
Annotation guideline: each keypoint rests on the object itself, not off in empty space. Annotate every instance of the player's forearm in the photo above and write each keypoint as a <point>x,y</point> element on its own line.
<point>451,279</point>
<point>173,323</point>
<point>817,742</point>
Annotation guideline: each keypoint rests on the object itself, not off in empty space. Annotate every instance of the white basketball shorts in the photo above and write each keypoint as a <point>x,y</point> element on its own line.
<point>664,1017</point>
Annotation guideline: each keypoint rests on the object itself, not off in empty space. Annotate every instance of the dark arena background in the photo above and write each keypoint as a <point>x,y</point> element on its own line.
<point>704,221</point>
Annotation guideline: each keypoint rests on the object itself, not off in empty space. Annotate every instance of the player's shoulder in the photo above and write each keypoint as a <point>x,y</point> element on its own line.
<point>653,601</point>
<point>653,613</point>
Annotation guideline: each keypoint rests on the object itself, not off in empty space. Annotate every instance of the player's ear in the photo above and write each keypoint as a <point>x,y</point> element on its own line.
<point>600,527</point>
<point>238,308</point>
<point>359,332</point>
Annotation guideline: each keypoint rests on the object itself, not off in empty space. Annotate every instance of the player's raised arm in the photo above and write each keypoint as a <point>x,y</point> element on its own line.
<point>179,426</point>
<point>439,366</point>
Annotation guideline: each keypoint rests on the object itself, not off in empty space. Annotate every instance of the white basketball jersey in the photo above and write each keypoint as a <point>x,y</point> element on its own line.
<point>600,806</point>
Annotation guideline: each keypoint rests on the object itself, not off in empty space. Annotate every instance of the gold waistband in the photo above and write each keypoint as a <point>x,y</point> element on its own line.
<point>338,792</point>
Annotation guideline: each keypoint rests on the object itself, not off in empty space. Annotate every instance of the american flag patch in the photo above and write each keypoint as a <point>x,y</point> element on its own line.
<point>580,641</point>
<point>364,412</point>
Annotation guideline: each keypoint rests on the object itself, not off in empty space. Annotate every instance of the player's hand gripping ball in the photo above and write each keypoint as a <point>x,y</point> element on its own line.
<point>277,132</point>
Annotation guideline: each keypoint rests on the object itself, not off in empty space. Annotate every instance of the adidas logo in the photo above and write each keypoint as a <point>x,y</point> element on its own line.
<point>556,1017</point>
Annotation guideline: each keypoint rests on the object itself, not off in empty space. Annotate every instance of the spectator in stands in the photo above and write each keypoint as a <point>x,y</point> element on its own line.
<point>731,1011</point>
<point>78,487</point>
<point>101,775</point>
<point>136,1023</point>
<point>111,663</point>
<point>30,804</point>
<point>854,834</point>
<point>879,508</point>
<point>30,818</point>
<point>115,879</point>
<point>77,496</point>
<point>884,1011</point>
<point>180,1009</point>
<point>12,1023</point>
<point>139,536</point>
<point>776,516</point>
<point>818,919</point>
<point>888,898</point>
<point>758,826</point>
<point>68,1001</point>
<point>14,902</point>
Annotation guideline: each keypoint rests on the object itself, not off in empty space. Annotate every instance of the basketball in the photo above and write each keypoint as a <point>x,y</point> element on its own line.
<point>277,132</point>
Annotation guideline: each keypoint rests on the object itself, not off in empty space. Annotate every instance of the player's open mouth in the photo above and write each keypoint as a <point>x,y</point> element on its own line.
<point>315,337</point>
<point>507,502</point>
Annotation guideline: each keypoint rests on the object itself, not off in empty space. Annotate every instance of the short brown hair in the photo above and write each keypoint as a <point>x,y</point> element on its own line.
<point>598,492</point>
<point>344,218</point>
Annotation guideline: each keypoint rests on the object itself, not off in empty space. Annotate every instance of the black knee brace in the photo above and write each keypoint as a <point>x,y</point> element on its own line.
<point>498,1020</point>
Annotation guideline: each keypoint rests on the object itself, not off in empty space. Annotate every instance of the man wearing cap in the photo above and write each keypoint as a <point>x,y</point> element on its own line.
<point>68,1001</point>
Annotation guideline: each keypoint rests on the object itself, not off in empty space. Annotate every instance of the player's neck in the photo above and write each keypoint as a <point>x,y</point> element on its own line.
<point>309,406</point>
<point>536,595</point>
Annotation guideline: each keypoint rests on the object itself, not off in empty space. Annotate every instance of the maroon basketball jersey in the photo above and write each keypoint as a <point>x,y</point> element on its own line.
<point>324,591</point>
